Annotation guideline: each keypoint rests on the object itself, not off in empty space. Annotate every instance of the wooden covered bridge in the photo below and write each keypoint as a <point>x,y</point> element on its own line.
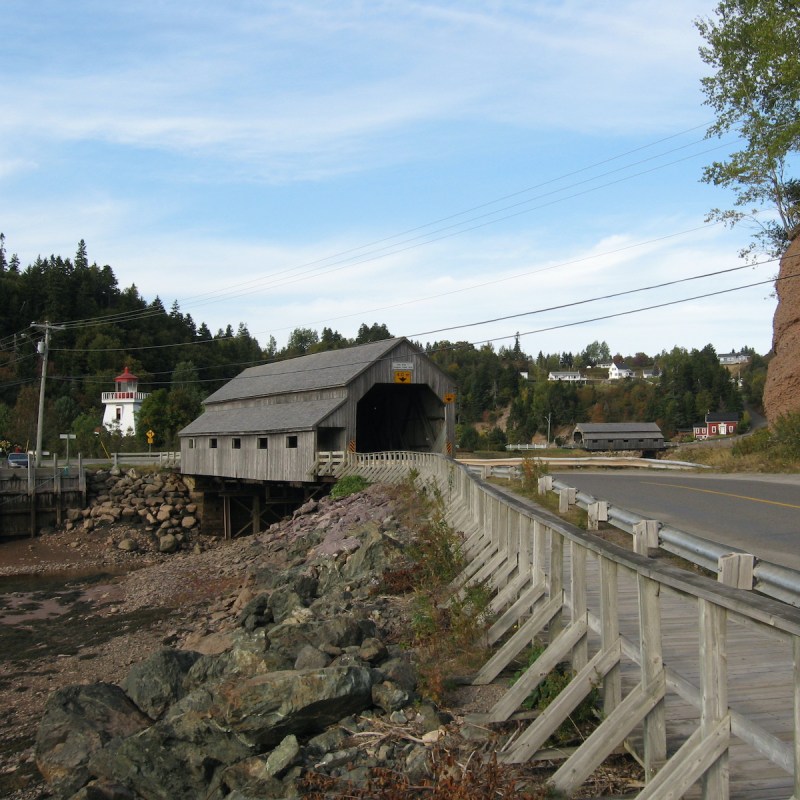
<point>254,453</point>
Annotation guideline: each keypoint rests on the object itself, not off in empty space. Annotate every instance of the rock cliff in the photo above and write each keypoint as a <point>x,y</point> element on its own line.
<point>782,388</point>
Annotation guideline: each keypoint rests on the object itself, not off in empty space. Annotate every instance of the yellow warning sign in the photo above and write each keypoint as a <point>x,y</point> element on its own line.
<point>402,376</point>
<point>449,398</point>
<point>151,434</point>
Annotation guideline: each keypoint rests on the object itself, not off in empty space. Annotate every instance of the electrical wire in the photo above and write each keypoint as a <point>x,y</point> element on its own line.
<point>461,345</point>
<point>413,242</point>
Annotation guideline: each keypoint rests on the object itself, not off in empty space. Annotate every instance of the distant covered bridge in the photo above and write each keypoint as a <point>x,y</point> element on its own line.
<point>645,436</point>
<point>260,435</point>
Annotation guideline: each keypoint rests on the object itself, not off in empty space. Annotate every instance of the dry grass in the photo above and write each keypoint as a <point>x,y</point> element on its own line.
<point>729,459</point>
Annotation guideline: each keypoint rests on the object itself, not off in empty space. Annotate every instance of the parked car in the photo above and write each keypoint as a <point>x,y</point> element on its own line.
<point>18,460</point>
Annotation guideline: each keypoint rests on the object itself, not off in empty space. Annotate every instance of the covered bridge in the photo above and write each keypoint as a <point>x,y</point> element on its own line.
<point>644,436</point>
<point>269,424</point>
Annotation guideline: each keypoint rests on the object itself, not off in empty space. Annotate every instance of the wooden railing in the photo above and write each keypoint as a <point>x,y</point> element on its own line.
<point>701,682</point>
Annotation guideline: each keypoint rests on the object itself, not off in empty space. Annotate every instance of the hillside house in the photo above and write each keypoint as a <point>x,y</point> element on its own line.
<point>717,423</point>
<point>732,358</point>
<point>569,377</point>
<point>618,372</point>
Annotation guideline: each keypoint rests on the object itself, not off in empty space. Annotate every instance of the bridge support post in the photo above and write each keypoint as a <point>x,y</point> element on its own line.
<point>609,631</point>
<point>655,726</point>
<point>796,654</point>
<point>714,704</point>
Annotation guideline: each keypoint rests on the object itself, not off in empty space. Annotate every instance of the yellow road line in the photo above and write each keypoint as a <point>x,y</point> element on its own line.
<point>724,494</point>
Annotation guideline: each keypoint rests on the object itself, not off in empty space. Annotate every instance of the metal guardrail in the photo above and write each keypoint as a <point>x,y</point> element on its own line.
<point>773,580</point>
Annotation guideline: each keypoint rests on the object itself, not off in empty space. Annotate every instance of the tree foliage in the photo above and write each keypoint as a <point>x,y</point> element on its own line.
<point>752,46</point>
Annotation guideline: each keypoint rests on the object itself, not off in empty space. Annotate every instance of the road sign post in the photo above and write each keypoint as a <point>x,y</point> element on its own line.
<point>67,436</point>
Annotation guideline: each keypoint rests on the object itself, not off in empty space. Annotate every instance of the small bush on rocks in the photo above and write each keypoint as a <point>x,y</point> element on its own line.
<point>349,484</point>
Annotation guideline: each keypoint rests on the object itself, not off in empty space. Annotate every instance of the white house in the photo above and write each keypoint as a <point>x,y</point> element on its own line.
<point>733,358</point>
<point>616,373</point>
<point>572,377</point>
<point>123,405</point>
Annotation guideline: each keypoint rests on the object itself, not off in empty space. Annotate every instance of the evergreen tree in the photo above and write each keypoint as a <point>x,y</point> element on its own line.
<point>81,258</point>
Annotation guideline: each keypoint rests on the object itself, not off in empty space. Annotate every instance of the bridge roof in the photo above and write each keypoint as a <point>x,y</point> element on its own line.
<point>611,428</point>
<point>306,373</point>
<point>278,417</point>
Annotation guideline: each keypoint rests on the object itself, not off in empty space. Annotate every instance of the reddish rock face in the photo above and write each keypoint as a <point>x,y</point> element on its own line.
<point>782,388</point>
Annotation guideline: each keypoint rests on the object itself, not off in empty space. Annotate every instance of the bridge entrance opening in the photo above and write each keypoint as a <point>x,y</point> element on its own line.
<point>397,417</point>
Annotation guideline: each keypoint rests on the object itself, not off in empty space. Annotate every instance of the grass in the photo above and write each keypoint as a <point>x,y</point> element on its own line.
<point>739,459</point>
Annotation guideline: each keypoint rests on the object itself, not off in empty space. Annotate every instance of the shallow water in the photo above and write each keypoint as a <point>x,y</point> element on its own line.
<point>37,596</point>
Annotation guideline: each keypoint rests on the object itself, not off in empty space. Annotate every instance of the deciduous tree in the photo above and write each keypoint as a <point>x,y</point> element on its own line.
<point>754,90</point>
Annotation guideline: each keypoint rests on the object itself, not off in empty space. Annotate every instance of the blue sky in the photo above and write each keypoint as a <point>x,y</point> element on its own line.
<point>426,165</point>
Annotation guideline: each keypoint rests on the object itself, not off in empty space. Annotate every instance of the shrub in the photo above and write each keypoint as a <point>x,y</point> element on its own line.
<point>758,442</point>
<point>349,484</point>
<point>548,690</point>
<point>787,434</point>
<point>532,470</point>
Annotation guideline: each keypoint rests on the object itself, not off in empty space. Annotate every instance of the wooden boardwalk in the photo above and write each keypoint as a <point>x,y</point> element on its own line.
<point>700,680</point>
<point>751,651</point>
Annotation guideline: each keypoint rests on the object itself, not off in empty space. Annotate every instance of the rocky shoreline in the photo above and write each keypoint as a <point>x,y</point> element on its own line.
<point>267,667</point>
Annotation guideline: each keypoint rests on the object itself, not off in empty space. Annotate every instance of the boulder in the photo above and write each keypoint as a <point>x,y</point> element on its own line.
<point>167,543</point>
<point>264,709</point>
<point>175,758</point>
<point>158,682</point>
<point>78,721</point>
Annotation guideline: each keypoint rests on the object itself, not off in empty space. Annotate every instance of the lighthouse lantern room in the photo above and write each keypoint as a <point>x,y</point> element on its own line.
<point>123,405</point>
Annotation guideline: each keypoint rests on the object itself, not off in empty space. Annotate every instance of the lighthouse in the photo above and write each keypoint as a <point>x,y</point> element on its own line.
<point>123,405</point>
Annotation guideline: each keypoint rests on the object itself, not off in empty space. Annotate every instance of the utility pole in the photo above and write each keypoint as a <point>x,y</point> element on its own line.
<point>43,347</point>
<point>548,427</point>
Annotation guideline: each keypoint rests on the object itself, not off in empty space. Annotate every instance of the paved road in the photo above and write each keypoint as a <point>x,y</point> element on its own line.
<point>756,513</point>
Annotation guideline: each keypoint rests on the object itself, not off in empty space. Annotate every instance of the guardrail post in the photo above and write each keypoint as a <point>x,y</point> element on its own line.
<point>736,570</point>
<point>545,484</point>
<point>645,536</point>
<point>598,512</point>
<point>566,498</point>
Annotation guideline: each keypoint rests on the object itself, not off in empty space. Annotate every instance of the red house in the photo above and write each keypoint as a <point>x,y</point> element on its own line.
<point>718,423</point>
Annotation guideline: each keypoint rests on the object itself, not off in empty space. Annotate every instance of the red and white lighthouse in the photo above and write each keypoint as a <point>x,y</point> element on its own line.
<point>123,405</point>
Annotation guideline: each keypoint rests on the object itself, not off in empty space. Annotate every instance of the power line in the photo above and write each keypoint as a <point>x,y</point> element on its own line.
<point>460,345</point>
<point>598,298</point>
<point>336,261</point>
<point>442,294</point>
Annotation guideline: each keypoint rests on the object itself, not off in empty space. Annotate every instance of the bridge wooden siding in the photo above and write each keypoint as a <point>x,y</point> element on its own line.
<point>699,680</point>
